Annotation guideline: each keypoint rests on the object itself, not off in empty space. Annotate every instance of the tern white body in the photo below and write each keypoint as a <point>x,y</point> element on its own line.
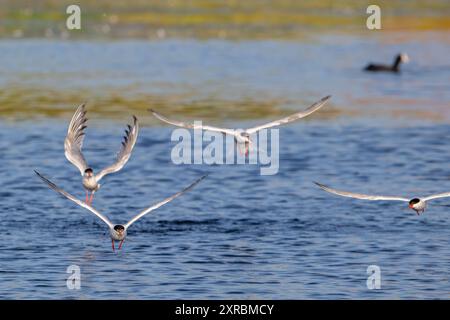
<point>419,207</point>
<point>90,183</point>
<point>118,234</point>
<point>242,138</point>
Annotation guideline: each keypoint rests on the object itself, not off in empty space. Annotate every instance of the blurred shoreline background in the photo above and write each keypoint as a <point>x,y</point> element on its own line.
<point>223,19</point>
<point>221,59</point>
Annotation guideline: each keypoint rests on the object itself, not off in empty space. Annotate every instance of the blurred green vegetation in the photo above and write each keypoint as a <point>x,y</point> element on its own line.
<point>27,103</point>
<point>203,19</point>
<point>198,19</point>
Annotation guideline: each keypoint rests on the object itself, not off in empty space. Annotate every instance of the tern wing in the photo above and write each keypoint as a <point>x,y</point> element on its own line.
<point>436,196</point>
<point>77,201</point>
<point>129,140</point>
<point>74,139</point>
<point>314,107</point>
<point>359,195</point>
<point>159,204</point>
<point>191,125</point>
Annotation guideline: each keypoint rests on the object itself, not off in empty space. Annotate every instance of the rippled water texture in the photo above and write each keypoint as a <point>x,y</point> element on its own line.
<point>237,234</point>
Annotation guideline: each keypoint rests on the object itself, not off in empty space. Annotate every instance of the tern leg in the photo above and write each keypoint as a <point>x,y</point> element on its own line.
<point>241,150</point>
<point>120,244</point>
<point>87,197</point>
<point>112,243</point>
<point>92,197</point>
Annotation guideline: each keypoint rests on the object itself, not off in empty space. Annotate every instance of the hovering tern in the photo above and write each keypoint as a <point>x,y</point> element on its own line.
<point>117,232</point>
<point>417,204</point>
<point>242,138</point>
<point>74,142</point>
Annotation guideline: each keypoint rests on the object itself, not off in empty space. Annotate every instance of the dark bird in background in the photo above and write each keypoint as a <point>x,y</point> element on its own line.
<point>395,67</point>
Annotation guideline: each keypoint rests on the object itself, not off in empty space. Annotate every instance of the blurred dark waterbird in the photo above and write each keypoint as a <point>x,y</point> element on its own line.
<point>395,67</point>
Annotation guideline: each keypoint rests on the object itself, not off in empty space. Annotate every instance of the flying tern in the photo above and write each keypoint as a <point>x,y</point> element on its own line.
<point>117,232</point>
<point>242,137</point>
<point>418,204</point>
<point>74,142</point>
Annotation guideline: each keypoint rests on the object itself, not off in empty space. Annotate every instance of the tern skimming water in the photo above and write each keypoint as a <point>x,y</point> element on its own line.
<point>74,142</point>
<point>417,204</point>
<point>117,232</point>
<point>242,137</point>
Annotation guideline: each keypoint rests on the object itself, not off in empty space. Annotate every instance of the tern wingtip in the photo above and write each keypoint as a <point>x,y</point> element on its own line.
<point>83,105</point>
<point>319,184</point>
<point>40,175</point>
<point>204,176</point>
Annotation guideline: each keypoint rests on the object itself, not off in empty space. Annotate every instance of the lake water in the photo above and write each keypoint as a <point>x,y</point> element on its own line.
<point>237,234</point>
